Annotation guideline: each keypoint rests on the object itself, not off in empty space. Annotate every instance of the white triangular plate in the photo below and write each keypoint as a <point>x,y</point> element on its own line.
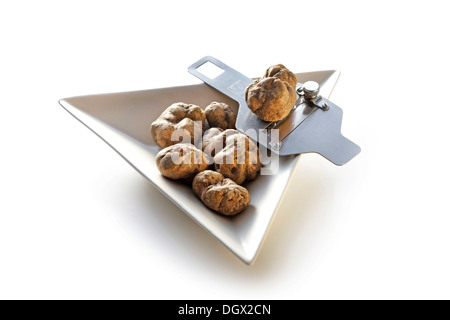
<point>123,121</point>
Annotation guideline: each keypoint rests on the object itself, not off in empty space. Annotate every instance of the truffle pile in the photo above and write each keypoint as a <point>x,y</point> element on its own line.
<point>189,152</point>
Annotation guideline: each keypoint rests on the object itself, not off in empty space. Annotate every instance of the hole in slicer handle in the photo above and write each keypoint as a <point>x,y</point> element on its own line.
<point>210,70</point>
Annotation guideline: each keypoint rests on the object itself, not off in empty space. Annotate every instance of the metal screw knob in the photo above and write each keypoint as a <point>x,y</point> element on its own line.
<point>311,89</point>
<point>276,145</point>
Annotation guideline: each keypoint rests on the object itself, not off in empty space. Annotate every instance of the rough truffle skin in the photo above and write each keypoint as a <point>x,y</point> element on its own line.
<point>235,156</point>
<point>212,142</point>
<point>271,99</point>
<point>220,115</point>
<point>220,194</point>
<point>179,116</point>
<point>181,161</point>
<point>281,72</point>
<point>272,96</point>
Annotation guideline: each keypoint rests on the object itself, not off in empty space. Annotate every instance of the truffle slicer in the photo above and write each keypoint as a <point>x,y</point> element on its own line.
<point>313,125</point>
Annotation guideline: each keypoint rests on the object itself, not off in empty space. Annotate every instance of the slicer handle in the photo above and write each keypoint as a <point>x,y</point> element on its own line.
<point>230,82</point>
<point>341,150</point>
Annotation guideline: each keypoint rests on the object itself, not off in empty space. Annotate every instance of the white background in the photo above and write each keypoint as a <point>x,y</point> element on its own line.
<point>76,221</point>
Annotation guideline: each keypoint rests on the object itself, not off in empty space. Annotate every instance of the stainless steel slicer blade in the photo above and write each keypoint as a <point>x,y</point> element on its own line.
<point>314,124</point>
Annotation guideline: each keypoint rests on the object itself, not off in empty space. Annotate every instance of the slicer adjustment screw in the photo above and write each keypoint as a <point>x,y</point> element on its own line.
<point>311,89</point>
<point>276,145</point>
